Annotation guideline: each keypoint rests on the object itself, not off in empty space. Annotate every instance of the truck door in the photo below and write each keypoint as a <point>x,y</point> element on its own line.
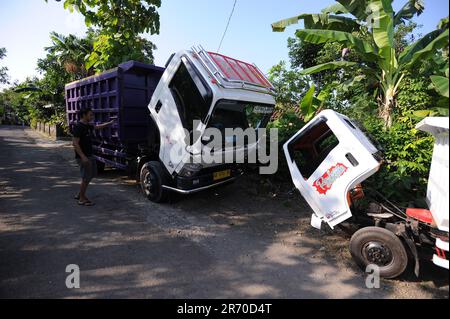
<point>183,99</point>
<point>326,159</point>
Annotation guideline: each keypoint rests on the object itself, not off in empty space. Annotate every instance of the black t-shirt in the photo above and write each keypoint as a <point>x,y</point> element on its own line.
<point>84,132</point>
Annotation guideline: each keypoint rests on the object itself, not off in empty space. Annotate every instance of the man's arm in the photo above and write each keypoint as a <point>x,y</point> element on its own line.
<point>77,147</point>
<point>103,125</point>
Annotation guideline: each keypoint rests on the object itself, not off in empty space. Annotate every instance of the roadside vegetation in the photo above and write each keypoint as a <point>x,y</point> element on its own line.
<point>364,60</point>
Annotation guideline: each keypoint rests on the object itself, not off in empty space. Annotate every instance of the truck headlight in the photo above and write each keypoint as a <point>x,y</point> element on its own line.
<point>190,169</point>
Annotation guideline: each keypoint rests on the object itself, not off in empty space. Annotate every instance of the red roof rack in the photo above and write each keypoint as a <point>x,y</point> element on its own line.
<point>230,72</point>
<point>238,70</point>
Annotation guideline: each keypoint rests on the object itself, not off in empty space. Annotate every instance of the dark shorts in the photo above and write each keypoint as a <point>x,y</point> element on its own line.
<point>88,171</point>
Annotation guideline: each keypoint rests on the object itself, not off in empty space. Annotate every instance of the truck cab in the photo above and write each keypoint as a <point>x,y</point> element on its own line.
<point>327,159</point>
<point>197,91</point>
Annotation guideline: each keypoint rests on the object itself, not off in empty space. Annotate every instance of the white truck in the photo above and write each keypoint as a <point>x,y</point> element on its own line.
<point>199,90</point>
<point>328,160</point>
<point>163,116</point>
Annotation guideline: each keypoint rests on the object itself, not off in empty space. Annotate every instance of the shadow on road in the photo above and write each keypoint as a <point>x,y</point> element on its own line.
<point>221,243</point>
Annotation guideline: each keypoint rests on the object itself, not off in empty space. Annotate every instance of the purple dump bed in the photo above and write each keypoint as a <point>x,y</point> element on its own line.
<point>122,93</point>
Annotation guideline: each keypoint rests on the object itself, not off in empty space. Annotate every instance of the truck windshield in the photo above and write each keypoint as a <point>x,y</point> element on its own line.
<point>239,114</point>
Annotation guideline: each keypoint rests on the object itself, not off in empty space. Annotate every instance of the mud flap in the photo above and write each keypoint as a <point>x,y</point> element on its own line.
<point>413,248</point>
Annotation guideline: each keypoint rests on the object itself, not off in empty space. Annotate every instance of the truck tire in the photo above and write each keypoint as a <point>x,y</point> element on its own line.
<point>100,167</point>
<point>152,177</point>
<point>379,246</point>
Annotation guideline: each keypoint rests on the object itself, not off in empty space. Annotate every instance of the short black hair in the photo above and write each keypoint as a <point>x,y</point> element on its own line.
<point>83,111</point>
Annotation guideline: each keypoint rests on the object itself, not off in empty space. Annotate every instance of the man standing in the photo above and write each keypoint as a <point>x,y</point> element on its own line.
<point>82,143</point>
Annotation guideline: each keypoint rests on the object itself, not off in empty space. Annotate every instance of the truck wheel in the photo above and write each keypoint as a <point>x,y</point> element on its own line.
<point>152,177</point>
<point>379,246</point>
<point>100,167</point>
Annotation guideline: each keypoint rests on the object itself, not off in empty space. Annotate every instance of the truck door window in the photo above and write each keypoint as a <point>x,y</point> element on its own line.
<point>312,147</point>
<point>190,102</point>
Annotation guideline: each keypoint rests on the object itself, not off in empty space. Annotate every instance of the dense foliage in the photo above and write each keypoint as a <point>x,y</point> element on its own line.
<point>368,27</point>
<point>423,92</point>
<point>119,26</point>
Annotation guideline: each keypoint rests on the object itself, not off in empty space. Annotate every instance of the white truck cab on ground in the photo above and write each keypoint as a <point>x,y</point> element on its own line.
<point>328,160</point>
<point>201,90</point>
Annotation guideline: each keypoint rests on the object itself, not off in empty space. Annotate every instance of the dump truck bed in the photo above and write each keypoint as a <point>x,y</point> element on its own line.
<point>122,93</point>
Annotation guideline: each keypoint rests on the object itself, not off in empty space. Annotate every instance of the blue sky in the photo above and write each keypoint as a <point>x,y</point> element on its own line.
<point>25,26</point>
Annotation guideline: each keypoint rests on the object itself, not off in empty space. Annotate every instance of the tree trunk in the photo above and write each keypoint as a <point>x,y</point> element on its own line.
<point>386,107</point>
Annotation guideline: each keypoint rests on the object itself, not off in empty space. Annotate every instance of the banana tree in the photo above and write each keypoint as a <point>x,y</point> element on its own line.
<point>370,32</point>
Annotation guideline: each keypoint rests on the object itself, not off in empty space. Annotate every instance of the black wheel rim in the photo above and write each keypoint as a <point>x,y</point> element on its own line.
<point>377,253</point>
<point>149,184</point>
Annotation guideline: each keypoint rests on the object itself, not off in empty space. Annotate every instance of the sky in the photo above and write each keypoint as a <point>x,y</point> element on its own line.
<point>25,26</point>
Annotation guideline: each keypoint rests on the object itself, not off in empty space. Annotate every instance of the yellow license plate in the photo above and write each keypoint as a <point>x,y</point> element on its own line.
<point>221,174</point>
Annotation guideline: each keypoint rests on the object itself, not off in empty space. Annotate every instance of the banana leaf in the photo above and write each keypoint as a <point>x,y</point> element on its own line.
<point>356,7</point>
<point>327,66</point>
<point>347,39</point>
<point>441,84</point>
<point>425,47</point>
<point>335,8</point>
<point>309,104</point>
<point>383,31</point>
<point>320,21</point>
<point>407,12</point>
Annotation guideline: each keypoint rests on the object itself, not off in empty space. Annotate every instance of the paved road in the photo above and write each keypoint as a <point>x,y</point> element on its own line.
<point>229,243</point>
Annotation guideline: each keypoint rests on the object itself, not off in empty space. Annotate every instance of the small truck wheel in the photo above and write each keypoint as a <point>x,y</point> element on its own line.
<point>152,178</point>
<point>379,246</point>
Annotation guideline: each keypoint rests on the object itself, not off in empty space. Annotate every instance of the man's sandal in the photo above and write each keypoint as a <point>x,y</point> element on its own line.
<point>86,203</point>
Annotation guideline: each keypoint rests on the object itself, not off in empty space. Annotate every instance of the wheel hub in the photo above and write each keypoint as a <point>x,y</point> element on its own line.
<point>149,183</point>
<point>378,254</point>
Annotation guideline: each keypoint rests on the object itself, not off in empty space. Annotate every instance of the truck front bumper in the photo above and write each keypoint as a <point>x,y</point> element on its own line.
<point>189,185</point>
